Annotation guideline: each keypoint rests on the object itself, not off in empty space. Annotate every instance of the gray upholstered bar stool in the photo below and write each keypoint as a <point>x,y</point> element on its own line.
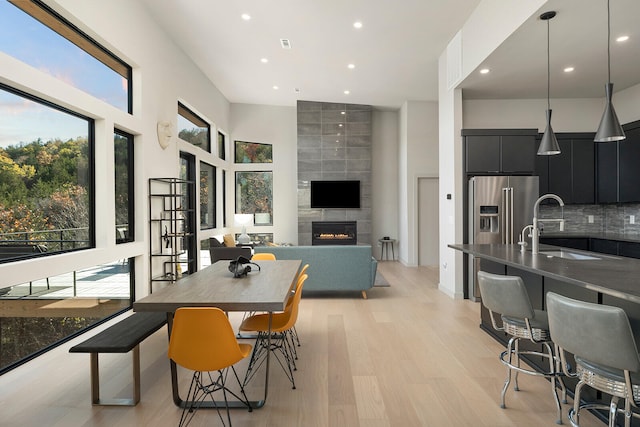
<point>507,296</point>
<point>602,342</point>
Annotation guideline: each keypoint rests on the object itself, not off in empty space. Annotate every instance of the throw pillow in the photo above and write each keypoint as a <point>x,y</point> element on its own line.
<point>229,241</point>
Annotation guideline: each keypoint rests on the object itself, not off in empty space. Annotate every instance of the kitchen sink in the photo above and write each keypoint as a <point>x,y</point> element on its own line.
<point>568,255</point>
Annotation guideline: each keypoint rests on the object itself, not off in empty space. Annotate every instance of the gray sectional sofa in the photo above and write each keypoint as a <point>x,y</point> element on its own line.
<point>332,267</point>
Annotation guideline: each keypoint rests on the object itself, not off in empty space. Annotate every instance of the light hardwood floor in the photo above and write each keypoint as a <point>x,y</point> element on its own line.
<point>406,356</point>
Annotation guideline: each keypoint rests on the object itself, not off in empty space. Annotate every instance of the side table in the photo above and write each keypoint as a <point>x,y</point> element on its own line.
<point>385,245</point>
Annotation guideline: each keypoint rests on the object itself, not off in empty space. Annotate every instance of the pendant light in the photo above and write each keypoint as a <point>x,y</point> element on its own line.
<point>609,129</point>
<point>549,144</point>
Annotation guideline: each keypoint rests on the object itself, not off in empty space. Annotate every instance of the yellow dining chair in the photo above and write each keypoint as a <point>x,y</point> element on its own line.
<point>263,256</point>
<point>293,332</point>
<point>202,340</point>
<point>281,345</point>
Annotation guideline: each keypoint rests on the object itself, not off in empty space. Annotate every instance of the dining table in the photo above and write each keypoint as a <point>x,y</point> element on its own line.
<point>266,288</point>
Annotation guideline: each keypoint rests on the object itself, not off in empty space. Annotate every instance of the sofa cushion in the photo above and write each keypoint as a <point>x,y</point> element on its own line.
<point>229,241</point>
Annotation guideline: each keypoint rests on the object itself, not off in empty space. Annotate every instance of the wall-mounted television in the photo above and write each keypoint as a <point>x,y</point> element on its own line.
<point>335,194</point>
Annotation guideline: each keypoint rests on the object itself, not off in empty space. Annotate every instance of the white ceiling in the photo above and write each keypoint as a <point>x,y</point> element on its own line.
<point>395,52</point>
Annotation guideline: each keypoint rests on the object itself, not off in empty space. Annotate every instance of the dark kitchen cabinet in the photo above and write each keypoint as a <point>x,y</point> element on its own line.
<point>607,172</point>
<point>604,246</point>
<point>567,242</point>
<point>617,168</point>
<point>629,166</point>
<point>500,151</point>
<point>570,174</point>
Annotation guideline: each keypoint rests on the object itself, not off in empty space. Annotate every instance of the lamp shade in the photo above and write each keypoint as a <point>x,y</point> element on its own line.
<point>609,129</point>
<point>243,220</point>
<point>549,144</point>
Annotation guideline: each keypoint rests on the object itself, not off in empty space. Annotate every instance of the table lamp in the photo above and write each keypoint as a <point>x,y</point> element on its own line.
<point>243,220</point>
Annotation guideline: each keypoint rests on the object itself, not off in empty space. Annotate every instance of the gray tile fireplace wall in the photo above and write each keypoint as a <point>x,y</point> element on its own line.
<point>334,143</point>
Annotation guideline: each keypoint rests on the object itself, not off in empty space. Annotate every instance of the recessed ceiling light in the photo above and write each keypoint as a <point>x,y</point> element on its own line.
<point>568,69</point>
<point>622,39</point>
<point>275,87</point>
<point>340,125</point>
<point>346,92</point>
<point>342,112</point>
<point>246,16</point>
<point>484,71</point>
<point>357,24</point>
<point>351,66</point>
<point>264,60</point>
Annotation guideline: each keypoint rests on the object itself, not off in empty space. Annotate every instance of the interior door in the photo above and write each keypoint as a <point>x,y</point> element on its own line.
<point>428,214</point>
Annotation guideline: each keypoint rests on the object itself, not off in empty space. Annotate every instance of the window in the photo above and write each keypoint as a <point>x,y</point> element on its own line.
<point>46,178</point>
<point>85,297</point>
<point>222,139</point>
<point>253,152</point>
<point>254,195</point>
<point>193,129</point>
<point>207,196</point>
<point>62,50</point>
<point>124,178</point>
<point>224,198</point>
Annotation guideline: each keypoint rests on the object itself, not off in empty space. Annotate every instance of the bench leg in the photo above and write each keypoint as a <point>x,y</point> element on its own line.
<point>95,382</point>
<point>364,294</point>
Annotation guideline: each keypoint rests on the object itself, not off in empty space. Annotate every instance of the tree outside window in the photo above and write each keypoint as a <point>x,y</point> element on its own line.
<point>254,195</point>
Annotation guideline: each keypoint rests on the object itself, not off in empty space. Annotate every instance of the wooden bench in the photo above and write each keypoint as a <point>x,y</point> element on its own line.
<point>122,337</point>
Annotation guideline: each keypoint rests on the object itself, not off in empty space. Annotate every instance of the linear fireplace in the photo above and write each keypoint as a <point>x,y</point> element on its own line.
<point>334,233</point>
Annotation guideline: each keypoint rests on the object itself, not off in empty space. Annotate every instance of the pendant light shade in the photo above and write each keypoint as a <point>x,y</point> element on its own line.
<point>549,144</point>
<point>609,129</point>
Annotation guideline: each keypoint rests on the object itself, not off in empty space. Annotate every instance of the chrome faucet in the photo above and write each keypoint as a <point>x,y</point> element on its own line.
<point>535,230</point>
<point>522,242</point>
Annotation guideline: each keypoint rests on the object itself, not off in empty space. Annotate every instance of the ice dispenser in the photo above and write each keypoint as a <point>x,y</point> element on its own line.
<point>489,219</point>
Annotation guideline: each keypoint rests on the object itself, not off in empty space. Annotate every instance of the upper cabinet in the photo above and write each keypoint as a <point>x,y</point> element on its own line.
<point>618,173</point>
<point>500,151</point>
<point>570,174</point>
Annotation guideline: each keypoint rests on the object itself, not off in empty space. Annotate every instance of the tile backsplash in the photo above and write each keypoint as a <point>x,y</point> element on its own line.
<point>594,218</point>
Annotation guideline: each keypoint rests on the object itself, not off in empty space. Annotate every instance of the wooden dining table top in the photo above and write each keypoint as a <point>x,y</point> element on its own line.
<point>215,286</point>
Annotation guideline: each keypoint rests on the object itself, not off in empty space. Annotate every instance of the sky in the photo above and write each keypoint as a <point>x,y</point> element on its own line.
<point>25,39</point>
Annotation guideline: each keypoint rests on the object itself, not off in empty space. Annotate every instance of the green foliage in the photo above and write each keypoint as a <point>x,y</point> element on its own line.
<point>256,192</point>
<point>43,185</point>
<point>252,152</point>
<point>196,136</point>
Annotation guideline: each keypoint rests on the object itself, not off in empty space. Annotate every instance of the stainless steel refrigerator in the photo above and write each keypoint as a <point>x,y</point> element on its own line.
<point>499,208</point>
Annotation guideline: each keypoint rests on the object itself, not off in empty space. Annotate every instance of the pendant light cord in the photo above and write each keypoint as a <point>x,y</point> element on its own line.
<point>548,69</point>
<point>608,42</point>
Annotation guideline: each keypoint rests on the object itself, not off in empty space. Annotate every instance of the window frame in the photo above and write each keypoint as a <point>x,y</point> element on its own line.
<point>187,114</point>
<point>130,186</point>
<point>60,25</point>
<point>91,184</point>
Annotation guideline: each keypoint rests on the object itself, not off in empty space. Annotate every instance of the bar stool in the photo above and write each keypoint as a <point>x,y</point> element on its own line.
<point>507,296</point>
<point>602,342</point>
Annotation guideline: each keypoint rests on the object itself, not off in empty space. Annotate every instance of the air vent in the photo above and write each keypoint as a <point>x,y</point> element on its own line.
<point>285,43</point>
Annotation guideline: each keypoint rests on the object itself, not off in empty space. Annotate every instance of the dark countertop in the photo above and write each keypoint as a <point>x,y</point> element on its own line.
<point>620,237</point>
<point>611,275</point>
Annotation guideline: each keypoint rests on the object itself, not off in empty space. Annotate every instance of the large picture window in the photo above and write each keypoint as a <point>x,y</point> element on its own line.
<point>46,184</point>
<point>254,195</point>
<point>57,47</point>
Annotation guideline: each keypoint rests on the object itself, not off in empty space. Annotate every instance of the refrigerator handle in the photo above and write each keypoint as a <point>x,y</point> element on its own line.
<point>507,209</point>
<point>505,216</point>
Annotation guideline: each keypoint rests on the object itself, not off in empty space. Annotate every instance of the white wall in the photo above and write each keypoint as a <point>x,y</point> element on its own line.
<point>277,126</point>
<point>418,158</point>
<point>384,177</point>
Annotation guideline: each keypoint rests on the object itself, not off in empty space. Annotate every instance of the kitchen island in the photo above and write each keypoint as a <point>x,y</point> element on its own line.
<point>582,275</point>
